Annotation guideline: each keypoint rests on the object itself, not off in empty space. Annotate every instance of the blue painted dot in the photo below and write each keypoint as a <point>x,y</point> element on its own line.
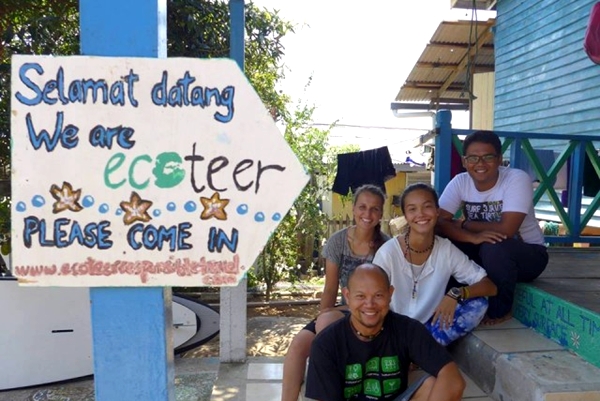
<point>276,217</point>
<point>156,213</point>
<point>171,206</point>
<point>21,207</point>
<point>103,208</point>
<point>119,212</point>
<point>88,201</point>
<point>38,201</point>
<point>190,206</point>
<point>242,209</point>
<point>260,217</point>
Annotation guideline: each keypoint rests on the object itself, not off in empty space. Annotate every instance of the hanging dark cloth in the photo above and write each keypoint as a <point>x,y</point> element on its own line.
<point>546,158</point>
<point>591,181</point>
<point>366,167</point>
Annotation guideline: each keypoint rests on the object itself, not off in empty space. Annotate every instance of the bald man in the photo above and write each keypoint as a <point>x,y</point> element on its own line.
<point>366,355</point>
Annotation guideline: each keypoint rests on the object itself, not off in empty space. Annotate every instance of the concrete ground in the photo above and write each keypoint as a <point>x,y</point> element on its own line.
<point>194,380</point>
<point>199,379</point>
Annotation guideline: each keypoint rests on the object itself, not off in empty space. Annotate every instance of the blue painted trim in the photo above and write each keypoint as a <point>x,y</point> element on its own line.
<point>135,28</point>
<point>443,150</point>
<point>131,327</point>
<point>533,135</point>
<point>575,183</point>
<point>238,24</point>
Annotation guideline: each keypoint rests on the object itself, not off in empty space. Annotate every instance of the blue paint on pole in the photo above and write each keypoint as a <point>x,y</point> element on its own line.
<point>238,23</point>
<point>443,149</point>
<point>132,28</point>
<point>131,327</point>
<point>574,201</point>
<point>133,345</point>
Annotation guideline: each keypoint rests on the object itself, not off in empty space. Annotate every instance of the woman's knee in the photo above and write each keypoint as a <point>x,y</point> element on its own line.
<point>497,251</point>
<point>300,345</point>
<point>326,318</point>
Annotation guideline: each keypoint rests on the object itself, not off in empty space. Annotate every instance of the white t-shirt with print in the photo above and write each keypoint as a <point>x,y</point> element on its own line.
<point>513,192</point>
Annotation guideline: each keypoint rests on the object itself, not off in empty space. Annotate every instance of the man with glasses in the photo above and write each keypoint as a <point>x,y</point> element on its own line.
<point>498,228</point>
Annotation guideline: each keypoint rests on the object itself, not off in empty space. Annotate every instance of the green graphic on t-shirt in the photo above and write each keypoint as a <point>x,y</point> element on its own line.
<point>390,364</point>
<point>373,387</point>
<point>351,391</point>
<point>373,365</point>
<point>354,372</point>
<point>391,386</point>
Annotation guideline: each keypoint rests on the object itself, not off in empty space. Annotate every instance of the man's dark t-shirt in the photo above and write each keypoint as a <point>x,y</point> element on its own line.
<point>342,367</point>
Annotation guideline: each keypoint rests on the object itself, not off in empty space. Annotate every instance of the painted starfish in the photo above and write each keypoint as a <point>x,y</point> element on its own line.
<point>66,198</point>
<point>136,209</point>
<point>214,207</point>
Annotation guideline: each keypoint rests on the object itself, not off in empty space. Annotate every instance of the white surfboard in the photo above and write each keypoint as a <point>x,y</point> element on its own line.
<point>46,335</point>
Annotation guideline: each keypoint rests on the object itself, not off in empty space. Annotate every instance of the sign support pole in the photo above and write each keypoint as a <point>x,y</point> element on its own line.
<point>232,334</point>
<point>131,327</point>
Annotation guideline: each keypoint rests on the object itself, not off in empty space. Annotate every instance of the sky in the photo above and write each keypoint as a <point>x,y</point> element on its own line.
<point>359,54</point>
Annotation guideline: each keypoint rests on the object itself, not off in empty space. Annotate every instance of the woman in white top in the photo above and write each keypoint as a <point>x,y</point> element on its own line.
<point>420,265</point>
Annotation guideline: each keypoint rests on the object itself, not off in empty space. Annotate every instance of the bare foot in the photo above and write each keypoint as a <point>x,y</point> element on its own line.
<point>490,322</point>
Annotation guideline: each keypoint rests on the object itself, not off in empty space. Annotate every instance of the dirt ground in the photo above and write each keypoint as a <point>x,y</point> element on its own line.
<point>266,336</point>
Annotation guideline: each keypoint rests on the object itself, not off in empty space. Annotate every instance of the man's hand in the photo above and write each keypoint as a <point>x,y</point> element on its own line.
<point>491,237</point>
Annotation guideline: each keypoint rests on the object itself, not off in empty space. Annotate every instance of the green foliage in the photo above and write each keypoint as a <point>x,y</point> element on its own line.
<point>278,258</point>
<point>290,249</point>
<point>31,27</point>
<point>201,29</point>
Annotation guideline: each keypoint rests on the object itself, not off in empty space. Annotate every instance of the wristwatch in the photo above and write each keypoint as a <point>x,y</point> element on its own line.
<point>455,293</point>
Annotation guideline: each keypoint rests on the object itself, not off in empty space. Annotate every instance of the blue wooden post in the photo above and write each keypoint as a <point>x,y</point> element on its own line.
<point>238,28</point>
<point>131,327</point>
<point>575,189</point>
<point>232,337</point>
<point>443,149</point>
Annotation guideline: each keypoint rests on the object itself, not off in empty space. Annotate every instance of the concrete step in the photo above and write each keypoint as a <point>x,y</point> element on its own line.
<point>570,325</point>
<point>513,362</point>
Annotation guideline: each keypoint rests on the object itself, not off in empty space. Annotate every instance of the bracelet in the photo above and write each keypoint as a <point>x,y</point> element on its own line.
<point>463,224</point>
<point>465,293</point>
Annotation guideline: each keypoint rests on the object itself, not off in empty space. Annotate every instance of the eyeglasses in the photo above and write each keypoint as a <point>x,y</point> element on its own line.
<point>473,159</point>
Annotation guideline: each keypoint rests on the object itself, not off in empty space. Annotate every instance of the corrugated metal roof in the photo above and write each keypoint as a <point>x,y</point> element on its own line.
<point>456,50</point>
<point>479,4</point>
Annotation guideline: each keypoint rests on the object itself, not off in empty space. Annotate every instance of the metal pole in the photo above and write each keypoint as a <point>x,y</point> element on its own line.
<point>232,337</point>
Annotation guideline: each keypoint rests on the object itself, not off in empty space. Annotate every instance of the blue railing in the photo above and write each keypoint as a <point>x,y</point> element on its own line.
<point>519,144</point>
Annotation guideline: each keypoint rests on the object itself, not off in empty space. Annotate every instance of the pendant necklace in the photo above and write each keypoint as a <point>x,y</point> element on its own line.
<point>407,254</point>
<point>367,337</point>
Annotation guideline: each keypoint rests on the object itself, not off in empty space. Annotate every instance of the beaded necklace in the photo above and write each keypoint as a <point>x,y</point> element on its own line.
<point>409,248</point>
